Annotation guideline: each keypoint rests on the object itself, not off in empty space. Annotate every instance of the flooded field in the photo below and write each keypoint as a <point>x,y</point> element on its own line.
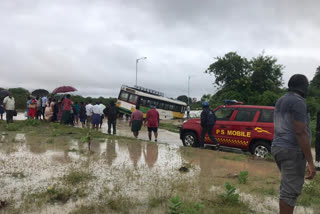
<point>59,174</point>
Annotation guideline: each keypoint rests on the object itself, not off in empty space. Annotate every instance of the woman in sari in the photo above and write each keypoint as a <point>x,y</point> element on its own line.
<point>60,109</point>
<point>54,107</point>
<point>48,111</point>
<point>32,109</point>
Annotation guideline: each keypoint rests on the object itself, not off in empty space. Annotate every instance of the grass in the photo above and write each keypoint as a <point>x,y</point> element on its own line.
<point>170,127</point>
<point>50,140</point>
<point>75,177</point>
<point>18,175</point>
<point>46,129</point>
<point>310,193</point>
<point>236,157</point>
<point>177,206</point>
<point>243,177</point>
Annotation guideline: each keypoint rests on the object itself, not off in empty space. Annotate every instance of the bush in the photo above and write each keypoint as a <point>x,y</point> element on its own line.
<point>230,195</point>
<point>243,177</point>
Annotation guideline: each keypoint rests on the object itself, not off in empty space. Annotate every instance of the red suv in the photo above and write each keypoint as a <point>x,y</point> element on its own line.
<point>245,127</point>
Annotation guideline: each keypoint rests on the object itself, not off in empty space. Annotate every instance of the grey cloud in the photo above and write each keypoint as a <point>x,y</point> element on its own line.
<point>93,44</point>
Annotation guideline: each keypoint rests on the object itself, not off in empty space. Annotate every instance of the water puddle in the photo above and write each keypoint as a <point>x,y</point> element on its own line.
<point>116,171</point>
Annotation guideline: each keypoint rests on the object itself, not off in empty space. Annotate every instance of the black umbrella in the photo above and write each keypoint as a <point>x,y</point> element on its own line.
<point>40,93</point>
<point>4,93</point>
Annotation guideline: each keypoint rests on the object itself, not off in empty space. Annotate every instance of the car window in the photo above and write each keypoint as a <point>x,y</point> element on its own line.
<point>223,113</point>
<point>245,115</point>
<point>266,116</point>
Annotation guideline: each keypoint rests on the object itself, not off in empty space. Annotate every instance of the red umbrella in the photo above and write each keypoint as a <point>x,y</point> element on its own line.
<point>64,89</point>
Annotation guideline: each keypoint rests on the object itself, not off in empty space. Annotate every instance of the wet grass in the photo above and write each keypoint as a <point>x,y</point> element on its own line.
<point>75,177</point>
<point>311,193</point>
<point>46,129</point>
<point>235,157</point>
<point>243,177</point>
<point>170,127</point>
<point>18,175</point>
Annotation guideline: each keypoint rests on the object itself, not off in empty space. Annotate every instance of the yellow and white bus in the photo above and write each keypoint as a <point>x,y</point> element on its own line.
<point>129,97</point>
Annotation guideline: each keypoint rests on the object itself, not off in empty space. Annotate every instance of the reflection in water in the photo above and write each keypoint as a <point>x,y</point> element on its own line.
<point>20,138</point>
<point>111,151</point>
<point>134,152</point>
<point>4,139</point>
<point>151,154</point>
<point>36,146</point>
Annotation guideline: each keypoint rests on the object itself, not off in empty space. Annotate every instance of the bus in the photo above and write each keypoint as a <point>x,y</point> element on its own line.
<point>168,109</point>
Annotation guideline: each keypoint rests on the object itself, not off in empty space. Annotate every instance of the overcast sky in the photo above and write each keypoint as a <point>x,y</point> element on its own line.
<point>93,44</point>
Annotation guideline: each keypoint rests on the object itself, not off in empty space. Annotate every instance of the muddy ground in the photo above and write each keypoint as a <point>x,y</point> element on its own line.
<point>48,168</point>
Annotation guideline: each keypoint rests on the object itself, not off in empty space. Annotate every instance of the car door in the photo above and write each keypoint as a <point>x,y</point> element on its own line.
<point>242,127</point>
<point>223,116</point>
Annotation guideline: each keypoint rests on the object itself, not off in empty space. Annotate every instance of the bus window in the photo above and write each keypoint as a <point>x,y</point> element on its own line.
<point>166,106</point>
<point>177,108</point>
<point>133,98</point>
<point>143,101</point>
<point>155,103</point>
<point>148,103</point>
<point>171,107</point>
<point>124,96</point>
<point>161,105</point>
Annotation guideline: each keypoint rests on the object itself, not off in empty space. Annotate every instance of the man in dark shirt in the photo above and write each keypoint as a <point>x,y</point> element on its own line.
<point>208,119</point>
<point>112,117</point>
<point>291,142</point>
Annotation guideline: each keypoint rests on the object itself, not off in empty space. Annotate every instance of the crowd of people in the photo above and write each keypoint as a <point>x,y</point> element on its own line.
<point>65,111</point>
<point>89,114</point>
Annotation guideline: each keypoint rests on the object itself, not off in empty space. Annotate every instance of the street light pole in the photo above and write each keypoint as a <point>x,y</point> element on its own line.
<point>188,89</point>
<point>137,60</point>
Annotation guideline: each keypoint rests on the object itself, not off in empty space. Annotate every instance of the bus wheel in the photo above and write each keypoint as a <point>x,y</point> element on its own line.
<point>189,139</point>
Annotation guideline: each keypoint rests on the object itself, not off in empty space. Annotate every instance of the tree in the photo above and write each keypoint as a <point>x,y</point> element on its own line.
<point>231,71</point>
<point>266,74</point>
<point>246,80</point>
<point>184,98</point>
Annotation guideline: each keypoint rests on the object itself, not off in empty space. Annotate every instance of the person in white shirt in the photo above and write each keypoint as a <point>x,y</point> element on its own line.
<point>96,117</point>
<point>89,113</point>
<point>9,105</point>
<point>102,114</point>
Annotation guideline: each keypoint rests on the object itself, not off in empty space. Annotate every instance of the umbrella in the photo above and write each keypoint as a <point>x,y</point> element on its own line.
<point>4,93</point>
<point>40,93</point>
<point>64,89</point>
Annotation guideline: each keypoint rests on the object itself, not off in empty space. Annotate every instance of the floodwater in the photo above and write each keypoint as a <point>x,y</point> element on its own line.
<point>124,170</point>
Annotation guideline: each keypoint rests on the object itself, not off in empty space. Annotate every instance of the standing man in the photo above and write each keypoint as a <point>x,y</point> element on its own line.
<point>9,105</point>
<point>152,120</point>
<point>39,108</point>
<point>208,120</point>
<point>89,113</point>
<point>44,103</point>
<point>136,120</point>
<point>291,143</point>
<point>112,117</point>
<point>1,111</point>
<point>102,113</point>
<point>96,118</point>
<point>188,111</point>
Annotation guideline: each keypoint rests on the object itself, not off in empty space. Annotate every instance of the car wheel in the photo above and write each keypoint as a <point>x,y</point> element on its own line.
<point>261,149</point>
<point>189,139</point>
